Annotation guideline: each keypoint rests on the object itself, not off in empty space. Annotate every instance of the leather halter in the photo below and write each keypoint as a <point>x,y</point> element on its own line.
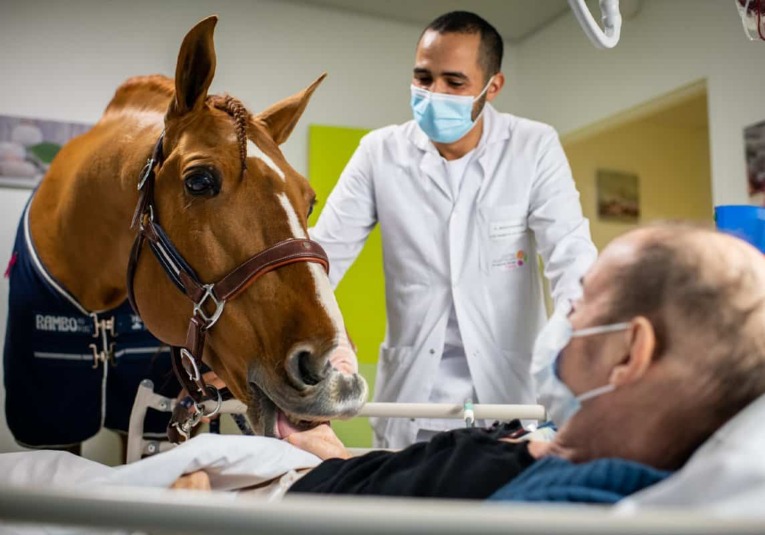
<point>187,359</point>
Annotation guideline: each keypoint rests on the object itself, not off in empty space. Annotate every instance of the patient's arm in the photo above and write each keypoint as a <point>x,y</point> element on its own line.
<point>321,441</point>
<point>194,481</point>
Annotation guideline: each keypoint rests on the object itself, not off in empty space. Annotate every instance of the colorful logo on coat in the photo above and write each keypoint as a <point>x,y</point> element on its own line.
<point>510,261</point>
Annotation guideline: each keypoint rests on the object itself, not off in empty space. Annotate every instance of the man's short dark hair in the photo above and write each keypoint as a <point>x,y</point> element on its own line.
<point>492,47</point>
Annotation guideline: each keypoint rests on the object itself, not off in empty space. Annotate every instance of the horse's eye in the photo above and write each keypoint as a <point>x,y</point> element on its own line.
<point>202,182</point>
<point>310,207</point>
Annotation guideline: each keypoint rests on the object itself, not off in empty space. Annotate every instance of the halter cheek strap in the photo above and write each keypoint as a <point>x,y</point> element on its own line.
<point>208,299</point>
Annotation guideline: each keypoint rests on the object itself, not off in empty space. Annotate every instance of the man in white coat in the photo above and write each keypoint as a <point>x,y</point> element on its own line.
<point>466,199</point>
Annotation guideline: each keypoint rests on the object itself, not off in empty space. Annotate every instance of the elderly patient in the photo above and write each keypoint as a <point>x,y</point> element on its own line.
<point>665,345</point>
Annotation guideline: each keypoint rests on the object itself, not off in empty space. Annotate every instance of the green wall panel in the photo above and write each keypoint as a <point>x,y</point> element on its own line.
<point>361,293</point>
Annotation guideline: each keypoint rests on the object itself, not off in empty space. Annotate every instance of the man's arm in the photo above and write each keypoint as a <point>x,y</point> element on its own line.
<point>555,216</point>
<point>349,215</point>
<point>321,441</point>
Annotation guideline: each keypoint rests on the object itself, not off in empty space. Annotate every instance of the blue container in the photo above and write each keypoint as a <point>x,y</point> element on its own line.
<point>744,221</point>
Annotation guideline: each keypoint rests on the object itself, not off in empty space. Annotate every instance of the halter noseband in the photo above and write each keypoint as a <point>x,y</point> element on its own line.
<point>186,359</point>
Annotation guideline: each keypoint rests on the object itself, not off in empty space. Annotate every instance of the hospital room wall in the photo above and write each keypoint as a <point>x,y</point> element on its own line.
<point>565,81</point>
<point>668,152</point>
<point>63,61</point>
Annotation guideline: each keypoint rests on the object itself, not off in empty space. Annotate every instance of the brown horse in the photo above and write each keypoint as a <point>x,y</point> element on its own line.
<point>223,191</point>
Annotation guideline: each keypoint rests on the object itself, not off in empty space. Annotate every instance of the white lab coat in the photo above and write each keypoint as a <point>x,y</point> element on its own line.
<point>517,199</point>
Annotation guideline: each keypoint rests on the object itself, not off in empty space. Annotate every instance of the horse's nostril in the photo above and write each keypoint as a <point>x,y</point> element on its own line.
<point>310,369</point>
<point>305,368</point>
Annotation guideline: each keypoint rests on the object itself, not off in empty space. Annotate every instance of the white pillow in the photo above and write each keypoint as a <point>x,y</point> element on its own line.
<point>726,475</point>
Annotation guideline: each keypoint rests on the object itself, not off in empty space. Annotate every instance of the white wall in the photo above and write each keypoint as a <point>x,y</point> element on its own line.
<point>63,60</point>
<point>565,81</point>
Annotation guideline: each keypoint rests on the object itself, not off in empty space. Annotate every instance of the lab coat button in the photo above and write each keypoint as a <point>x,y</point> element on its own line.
<point>432,351</point>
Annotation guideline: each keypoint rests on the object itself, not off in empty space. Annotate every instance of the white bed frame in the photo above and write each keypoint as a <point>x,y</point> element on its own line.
<point>163,511</point>
<point>146,398</point>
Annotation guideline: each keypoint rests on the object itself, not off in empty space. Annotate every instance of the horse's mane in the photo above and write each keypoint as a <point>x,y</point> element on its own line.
<point>237,111</point>
<point>161,86</point>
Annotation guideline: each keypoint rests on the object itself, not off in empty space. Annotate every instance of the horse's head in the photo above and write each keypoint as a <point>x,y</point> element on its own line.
<point>224,192</point>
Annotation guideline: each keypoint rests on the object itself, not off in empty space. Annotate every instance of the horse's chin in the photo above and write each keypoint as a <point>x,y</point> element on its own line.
<point>269,420</point>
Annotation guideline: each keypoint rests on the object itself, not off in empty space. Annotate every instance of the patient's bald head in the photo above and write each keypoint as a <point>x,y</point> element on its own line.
<point>704,293</point>
<point>694,354</point>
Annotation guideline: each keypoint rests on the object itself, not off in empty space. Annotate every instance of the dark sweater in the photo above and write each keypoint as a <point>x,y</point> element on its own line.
<point>464,463</point>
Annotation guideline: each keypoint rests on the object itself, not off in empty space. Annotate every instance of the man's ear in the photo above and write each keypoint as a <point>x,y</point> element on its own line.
<point>495,86</point>
<point>641,340</point>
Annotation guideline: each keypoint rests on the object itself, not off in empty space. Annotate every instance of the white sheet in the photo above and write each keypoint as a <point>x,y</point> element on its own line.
<point>232,461</point>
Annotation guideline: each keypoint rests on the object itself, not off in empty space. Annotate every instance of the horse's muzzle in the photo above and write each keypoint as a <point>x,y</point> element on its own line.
<point>315,392</point>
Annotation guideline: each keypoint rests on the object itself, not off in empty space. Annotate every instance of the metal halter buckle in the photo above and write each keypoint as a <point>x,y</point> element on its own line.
<point>209,320</point>
<point>186,355</point>
<point>184,428</point>
<point>145,172</point>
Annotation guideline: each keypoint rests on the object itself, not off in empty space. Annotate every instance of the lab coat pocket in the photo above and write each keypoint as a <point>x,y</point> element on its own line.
<point>504,244</point>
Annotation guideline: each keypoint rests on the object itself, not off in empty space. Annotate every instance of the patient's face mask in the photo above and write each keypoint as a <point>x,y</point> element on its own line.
<point>553,393</point>
<point>444,118</point>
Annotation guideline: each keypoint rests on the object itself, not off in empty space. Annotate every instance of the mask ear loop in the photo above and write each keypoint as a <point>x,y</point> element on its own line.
<point>485,89</point>
<point>601,329</point>
<point>595,392</point>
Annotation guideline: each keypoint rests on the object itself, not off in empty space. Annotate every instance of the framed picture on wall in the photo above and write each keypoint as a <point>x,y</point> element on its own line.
<point>754,144</point>
<point>27,147</point>
<point>618,196</point>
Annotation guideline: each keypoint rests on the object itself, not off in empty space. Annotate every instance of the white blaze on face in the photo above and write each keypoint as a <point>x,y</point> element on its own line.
<point>253,151</point>
<point>343,358</point>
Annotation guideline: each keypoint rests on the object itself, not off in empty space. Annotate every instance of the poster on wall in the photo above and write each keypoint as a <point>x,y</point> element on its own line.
<point>618,196</point>
<point>754,143</point>
<point>27,147</point>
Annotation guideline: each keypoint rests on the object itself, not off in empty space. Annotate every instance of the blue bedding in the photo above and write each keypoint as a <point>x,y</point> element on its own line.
<point>553,479</point>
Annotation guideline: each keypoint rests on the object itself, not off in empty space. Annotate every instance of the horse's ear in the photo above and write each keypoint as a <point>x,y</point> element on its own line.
<point>196,67</point>
<point>281,118</point>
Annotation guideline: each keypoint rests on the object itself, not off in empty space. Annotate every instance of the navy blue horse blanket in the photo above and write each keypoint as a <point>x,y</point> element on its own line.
<point>62,382</point>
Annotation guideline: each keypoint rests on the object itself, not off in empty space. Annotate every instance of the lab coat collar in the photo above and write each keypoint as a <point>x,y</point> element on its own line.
<point>496,128</point>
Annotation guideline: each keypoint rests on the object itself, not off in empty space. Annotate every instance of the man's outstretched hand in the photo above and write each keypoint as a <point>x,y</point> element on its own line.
<point>321,441</point>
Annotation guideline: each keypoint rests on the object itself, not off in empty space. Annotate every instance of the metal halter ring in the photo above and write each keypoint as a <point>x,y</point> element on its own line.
<point>201,406</point>
<point>209,320</point>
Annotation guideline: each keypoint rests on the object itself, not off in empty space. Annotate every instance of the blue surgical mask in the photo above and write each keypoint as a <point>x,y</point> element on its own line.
<point>444,118</point>
<point>560,402</point>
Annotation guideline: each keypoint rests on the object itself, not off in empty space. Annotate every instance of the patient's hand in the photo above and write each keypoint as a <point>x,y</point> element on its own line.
<point>539,449</point>
<point>321,441</point>
<point>194,481</point>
